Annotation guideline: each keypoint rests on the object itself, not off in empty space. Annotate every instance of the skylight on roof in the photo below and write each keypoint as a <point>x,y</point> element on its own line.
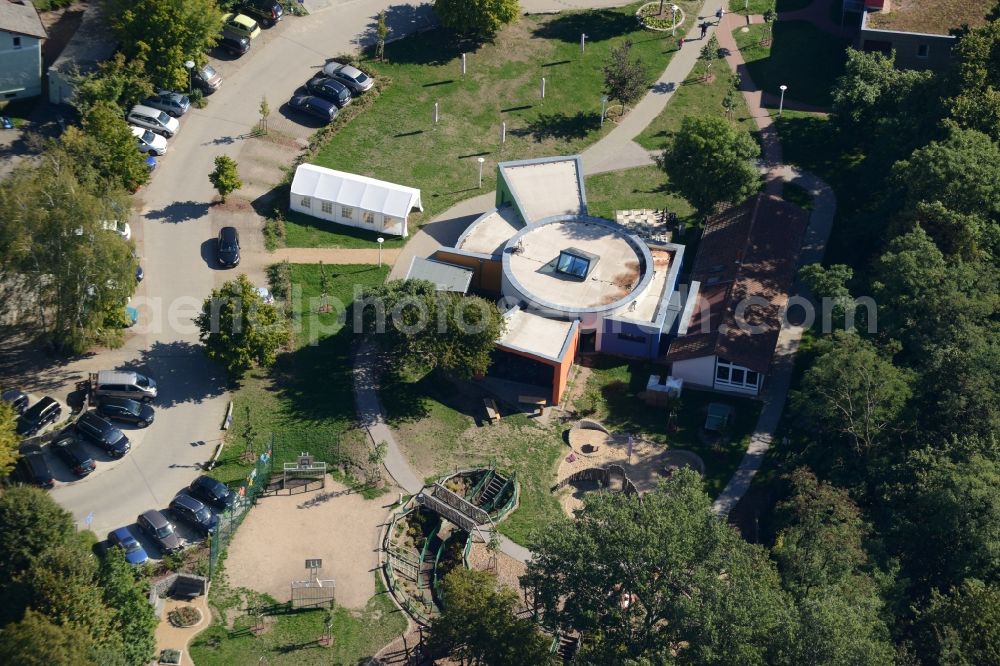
<point>575,263</point>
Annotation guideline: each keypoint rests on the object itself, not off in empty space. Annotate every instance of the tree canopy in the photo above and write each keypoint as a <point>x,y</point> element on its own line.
<point>240,330</point>
<point>710,161</point>
<point>9,439</point>
<point>105,143</point>
<point>480,18</point>
<point>624,78</point>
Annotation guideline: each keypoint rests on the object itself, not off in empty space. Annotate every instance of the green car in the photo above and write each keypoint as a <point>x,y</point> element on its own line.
<point>240,26</point>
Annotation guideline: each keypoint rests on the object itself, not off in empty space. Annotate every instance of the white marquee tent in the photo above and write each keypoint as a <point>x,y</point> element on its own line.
<point>353,200</point>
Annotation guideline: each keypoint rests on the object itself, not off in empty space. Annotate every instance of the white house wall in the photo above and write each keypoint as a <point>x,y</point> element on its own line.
<point>695,371</point>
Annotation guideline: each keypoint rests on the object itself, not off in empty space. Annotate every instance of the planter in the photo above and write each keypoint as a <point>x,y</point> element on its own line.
<point>184,616</point>
<point>648,16</point>
<point>170,657</point>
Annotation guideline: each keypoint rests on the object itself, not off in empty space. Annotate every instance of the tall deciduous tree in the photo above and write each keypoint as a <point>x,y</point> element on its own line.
<point>225,178</point>
<point>238,329</point>
<point>624,78</point>
<point>9,439</point>
<point>851,390</point>
<point>477,623</point>
<point>977,75</point>
<point>120,80</point>
<point>962,626</point>
<point>132,616</point>
<point>107,146</point>
<point>29,523</point>
<point>660,576</point>
<point>423,328</point>
<point>710,162</point>
<point>166,34</point>
<point>480,18</point>
<point>38,641</point>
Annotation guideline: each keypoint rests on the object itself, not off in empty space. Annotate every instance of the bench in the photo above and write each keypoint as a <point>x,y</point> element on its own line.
<point>492,413</point>
<point>533,400</point>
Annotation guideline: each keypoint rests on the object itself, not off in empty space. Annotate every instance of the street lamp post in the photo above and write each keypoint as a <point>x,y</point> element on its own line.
<point>673,11</point>
<point>604,105</point>
<point>190,68</point>
<point>781,102</point>
<point>380,241</point>
<point>481,160</point>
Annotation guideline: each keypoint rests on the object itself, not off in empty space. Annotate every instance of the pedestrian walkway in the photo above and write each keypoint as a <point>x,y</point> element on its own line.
<point>333,255</point>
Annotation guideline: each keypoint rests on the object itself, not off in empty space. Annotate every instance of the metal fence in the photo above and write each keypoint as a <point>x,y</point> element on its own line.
<point>250,489</point>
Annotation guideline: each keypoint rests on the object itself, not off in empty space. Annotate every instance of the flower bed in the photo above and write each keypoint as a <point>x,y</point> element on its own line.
<point>184,616</point>
<point>650,17</point>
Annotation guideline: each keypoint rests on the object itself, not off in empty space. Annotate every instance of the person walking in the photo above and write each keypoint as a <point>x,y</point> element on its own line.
<point>704,29</point>
<point>719,15</point>
<point>680,43</point>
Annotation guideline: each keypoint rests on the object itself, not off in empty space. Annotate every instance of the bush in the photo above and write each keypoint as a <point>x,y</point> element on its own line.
<point>279,276</point>
<point>198,98</point>
<point>274,232</point>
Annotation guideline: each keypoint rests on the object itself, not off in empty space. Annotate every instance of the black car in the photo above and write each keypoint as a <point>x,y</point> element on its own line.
<point>194,513</point>
<point>74,455</point>
<point>213,492</point>
<point>18,399</point>
<point>329,89</point>
<point>268,12</point>
<point>123,409</point>
<point>234,45</point>
<point>33,468</point>
<point>314,106</point>
<point>229,247</point>
<point>103,434</point>
<point>39,415</point>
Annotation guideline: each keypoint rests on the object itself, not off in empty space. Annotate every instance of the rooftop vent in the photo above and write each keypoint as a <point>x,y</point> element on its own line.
<point>576,263</point>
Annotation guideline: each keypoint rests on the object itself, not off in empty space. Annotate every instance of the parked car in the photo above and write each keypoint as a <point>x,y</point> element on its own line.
<point>102,433</point>
<point>121,228</point>
<point>206,78</point>
<point>194,513</point>
<point>139,274</point>
<point>240,25</point>
<point>268,12</point>
<point>123,538</point>
<point>228,250</point>
<point>329,89</point>
<point>33,468</point>
<point>74,455</point>
<point>123,384</point>
<point>314,106</point>
<point>17,399</point>
<point>265,295</point>
<point>174,103</point>
<point>161,530</point>
<point>131,316</point>
<point>350,76</point>
<point>212,492</point>
<point>153,119</point>
<point>39,415</point>
<point>149,142</point>
<point>234,45</point>
<point>124,409</point>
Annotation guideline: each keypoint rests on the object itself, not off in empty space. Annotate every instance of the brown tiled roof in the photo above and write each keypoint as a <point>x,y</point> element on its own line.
<point>21,19</point>
<point>746,252</point>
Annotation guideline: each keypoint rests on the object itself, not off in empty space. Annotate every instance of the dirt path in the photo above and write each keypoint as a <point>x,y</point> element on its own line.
<point>334,524</point>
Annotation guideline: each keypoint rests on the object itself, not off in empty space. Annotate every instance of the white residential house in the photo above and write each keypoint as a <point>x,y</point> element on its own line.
<point>21,35</point>
<point>353,200</point>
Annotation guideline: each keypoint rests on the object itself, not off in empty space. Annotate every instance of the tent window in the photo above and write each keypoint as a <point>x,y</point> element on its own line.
<point>306,202</point>
<point>346,212</point>
<point>369,217</point>
<point>327,207</point>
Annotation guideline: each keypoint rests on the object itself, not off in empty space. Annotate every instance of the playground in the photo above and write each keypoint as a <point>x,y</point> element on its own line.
<point>333,524</point>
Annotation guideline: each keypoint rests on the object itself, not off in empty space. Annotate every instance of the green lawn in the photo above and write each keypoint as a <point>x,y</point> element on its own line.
<point>642,187</point>
<point>438,425</point>
<point>801,56</point>
<point>397,140</point>
<point>611,396</point>
<point>695,98</point>
<point>307,231</point>
<point>292,637</point>
<point>306,400</point>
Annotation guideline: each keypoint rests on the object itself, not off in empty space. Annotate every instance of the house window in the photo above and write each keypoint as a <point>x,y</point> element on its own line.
<point>17,42</point>
<point>327,207</point>
<point>923,50</point>
<point>306,202</point>
<point>730,375</point>
<point>369,217</point>
<point>346,212</point>
<point>632,337</point>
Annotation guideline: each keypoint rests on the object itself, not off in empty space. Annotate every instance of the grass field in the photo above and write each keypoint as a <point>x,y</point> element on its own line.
<point>397,140</point>
<point>801,56</point>
<point>306,400</point>
<point>642,187</point>
<point>695,98</point>
<point>306,231</point>
<point>611,396</point>
<point>293,637</point>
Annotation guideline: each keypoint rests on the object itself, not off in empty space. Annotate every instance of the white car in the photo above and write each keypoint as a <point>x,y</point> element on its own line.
<point>265,295</point>
<point>149,141</point>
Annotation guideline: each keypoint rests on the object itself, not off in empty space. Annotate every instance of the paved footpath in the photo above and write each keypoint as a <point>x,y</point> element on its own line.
<point>333,255</point>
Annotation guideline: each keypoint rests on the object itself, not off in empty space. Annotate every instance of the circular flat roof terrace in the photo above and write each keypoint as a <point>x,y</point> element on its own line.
<point>605,269</point>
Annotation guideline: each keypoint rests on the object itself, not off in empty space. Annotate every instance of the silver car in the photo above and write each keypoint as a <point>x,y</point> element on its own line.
<point>174,103</point>
<point>352,77</point>
<point>149,142</point>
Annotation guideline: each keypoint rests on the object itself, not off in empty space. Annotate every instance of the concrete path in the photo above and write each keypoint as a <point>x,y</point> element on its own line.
<point>333,255</point>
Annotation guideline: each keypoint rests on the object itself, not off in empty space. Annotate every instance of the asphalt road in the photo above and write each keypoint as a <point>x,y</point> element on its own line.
<point>174,229</point>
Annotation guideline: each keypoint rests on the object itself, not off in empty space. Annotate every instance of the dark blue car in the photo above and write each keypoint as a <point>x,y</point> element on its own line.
<point>134,552</point>
<point>314,106</point>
